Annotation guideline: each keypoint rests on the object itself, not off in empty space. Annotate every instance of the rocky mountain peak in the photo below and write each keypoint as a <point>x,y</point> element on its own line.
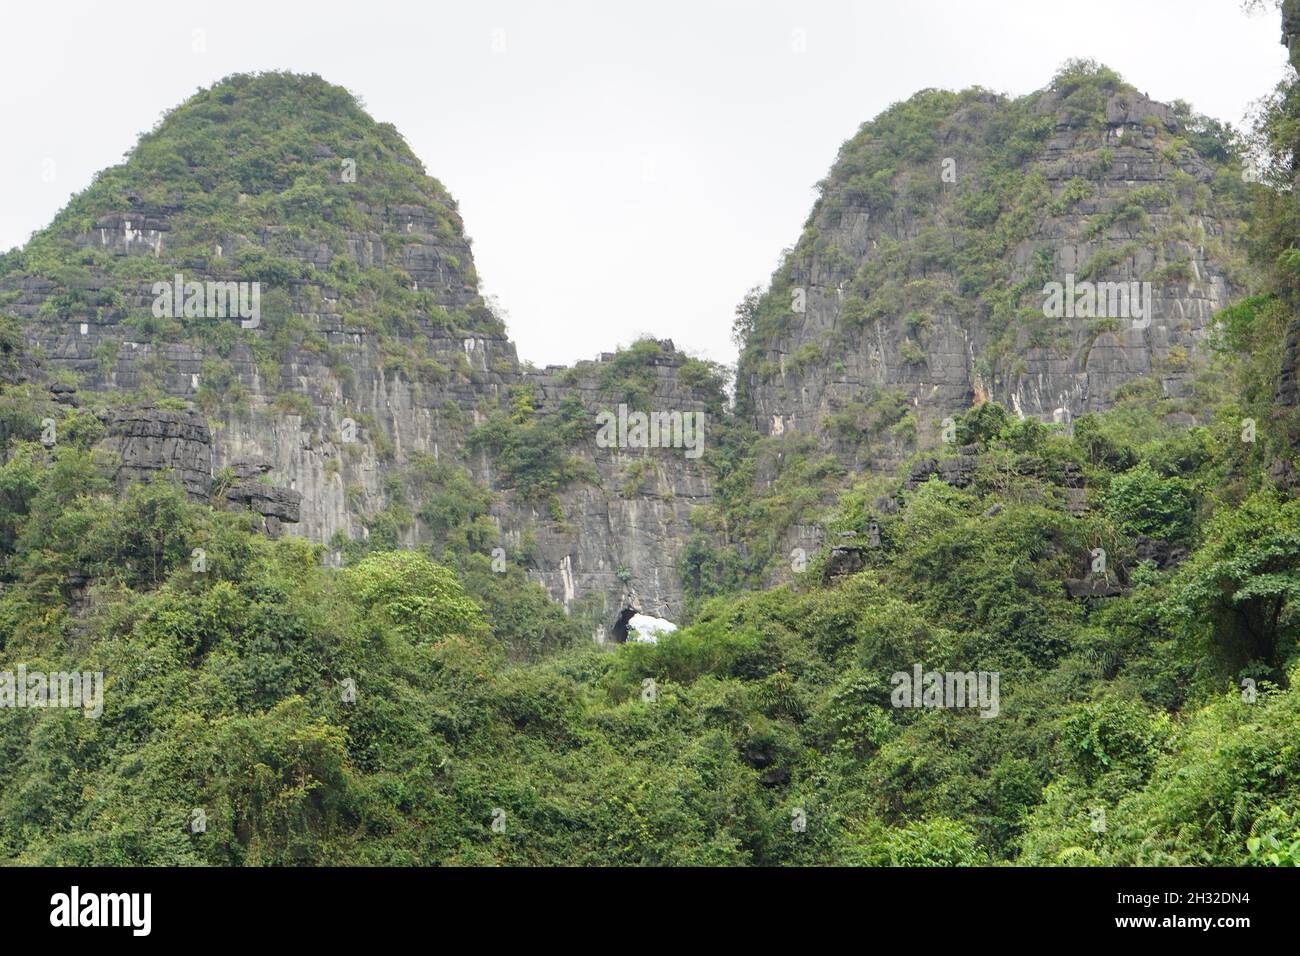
<point>374,385</point>
<point>918,286</point>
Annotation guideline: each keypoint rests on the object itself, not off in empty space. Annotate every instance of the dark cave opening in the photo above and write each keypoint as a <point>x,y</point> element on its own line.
<point>619,630</point>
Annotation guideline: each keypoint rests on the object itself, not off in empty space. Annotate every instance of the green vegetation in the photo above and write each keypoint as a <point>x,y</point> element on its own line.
<point>224,689</point>
<point>531,447</point>
<point>962,257</point>
<point>251,179</point>
<point>389,711</point>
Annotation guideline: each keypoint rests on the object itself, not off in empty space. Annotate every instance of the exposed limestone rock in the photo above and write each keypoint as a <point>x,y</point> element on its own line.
<point>1076,500</point>
<point>943,373</point>
<point>1163,554</point>
<point>153,442</point>
<point>275,505</point>
<point>1291,30</point>
<point>157,441</point>
<point>641,526</point>
<point>341,420</point>
<point>958,471</point>
<point>1283,474</point>
<point>64,394</point>
<point>848,555</point>
<point>1100,586</point>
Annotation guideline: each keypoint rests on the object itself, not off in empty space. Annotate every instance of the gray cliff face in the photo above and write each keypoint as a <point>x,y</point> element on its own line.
<point>147,442</point>
<point>336,455</point>
<point>636,517</point>
<point>327,434</point>
<point>1144,213</point>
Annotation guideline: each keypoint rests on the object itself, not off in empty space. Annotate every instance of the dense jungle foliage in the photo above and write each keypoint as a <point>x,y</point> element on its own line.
<point>417,707</point>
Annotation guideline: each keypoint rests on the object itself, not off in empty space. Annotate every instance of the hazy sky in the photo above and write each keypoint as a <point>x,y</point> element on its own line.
<point>622,168</point>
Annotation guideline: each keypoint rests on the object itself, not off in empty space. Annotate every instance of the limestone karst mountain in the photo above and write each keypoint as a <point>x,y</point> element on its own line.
<point>270,307</point>
<point>377,396</point>
<point>916,288</point>
<point>375,366</point>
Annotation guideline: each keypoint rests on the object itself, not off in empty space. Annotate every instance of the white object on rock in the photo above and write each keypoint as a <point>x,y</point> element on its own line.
<point>646,629</point>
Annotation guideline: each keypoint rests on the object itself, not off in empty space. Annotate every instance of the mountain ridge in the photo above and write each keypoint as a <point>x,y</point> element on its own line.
<point>373,318</point>
<point>1117,592</point>
<point>921,264</point>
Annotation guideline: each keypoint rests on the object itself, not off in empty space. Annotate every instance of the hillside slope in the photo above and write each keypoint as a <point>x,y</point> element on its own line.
<point>1121,589</point>
<point>378,401</point>
<point>377,386</point>
<point>916,288</point>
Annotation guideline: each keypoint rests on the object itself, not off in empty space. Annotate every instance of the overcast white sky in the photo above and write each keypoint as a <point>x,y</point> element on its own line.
<point>622,168</point>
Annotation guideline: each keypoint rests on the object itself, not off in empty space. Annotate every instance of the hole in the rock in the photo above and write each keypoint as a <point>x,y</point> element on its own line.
<point>619,629</point>
<point>635,626</point>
